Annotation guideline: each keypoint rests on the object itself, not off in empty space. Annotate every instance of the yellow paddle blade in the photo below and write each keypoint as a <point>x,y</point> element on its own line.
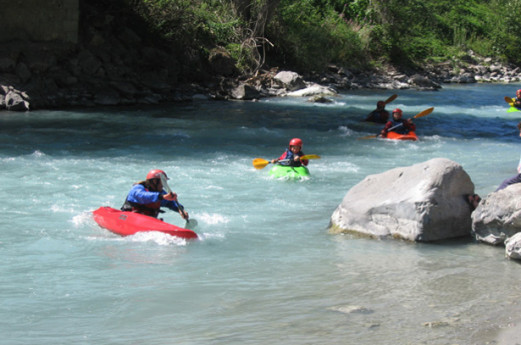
<point>259,163</point>
<point>369,137</point>
<point>390,99</point>
<point>509,100</point>
<point>424,113</point>
<point>310,157</point>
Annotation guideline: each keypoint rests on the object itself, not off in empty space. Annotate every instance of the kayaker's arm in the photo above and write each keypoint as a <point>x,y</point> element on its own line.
<point>281,158</point>
<point>386,129</point>
<point>410,125</point>
<point>175,206</point>
<point>303,161</point>
<point>140,195</point>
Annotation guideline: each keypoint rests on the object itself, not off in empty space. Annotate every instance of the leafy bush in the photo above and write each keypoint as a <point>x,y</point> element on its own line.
<point>309,34</point>
<point>311,37</point>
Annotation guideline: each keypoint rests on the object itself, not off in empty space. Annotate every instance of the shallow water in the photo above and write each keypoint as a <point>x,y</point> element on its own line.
<point>265,268</point>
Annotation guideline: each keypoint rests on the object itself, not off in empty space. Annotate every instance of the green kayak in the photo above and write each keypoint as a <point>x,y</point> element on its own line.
<point>284,171</point>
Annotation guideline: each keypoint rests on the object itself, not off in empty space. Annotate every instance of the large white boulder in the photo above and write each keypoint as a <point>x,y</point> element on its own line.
<point>423,202</point>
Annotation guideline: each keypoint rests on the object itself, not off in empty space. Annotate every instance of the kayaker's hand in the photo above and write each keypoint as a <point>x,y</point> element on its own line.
<point>170,197</point>
<point>409,121</point>
<point>183,214</point>
<point>273,161</point>
<point>297,158</point>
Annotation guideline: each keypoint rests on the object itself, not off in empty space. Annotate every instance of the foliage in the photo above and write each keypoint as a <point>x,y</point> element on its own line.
<point>312,37</point>
<point>506,30</point>
<point>309,34</point>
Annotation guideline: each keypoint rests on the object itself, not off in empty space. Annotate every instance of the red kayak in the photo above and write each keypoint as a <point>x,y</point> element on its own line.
<point>397,136</point>
<point>128,223</point>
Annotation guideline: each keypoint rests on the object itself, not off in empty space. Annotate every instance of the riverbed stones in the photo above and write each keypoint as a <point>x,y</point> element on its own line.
<point>423,202</point>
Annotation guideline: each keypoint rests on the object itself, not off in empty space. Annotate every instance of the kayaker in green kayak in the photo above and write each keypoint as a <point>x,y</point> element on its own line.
<point>291,156</point>
<point>147,197</point>
<point>517,100</point>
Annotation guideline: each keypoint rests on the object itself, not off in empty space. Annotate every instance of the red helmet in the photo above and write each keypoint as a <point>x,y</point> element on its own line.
<point>156,173</point>
<point>295,142</point>
<point>380,104</point>
<point>398,110</point>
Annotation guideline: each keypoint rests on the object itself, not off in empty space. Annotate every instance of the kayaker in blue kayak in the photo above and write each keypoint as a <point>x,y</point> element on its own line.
<point>398,125</point>
<point>147,197</point>
<point>292,155</point>
<point>379,115</point>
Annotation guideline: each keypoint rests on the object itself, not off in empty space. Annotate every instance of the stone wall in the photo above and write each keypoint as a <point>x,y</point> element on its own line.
<point>39,20</point>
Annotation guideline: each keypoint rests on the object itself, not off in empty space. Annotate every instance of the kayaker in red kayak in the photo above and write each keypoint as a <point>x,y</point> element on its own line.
<point>379,115</point>
<point>292,155</point>
<point>147,197</point>
<point>398,125</point>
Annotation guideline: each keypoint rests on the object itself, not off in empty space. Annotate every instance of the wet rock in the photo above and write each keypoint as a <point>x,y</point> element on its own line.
<point>313,90</point>
<point>319,99</point>
<point>513,247</point>
<point>423,82</point>
<point>245,92</point>
<point>498,216</point>
<point>15,102</point>
<point>290,80</point>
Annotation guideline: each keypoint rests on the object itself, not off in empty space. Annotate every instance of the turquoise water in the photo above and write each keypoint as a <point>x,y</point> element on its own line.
<point>265,268</point>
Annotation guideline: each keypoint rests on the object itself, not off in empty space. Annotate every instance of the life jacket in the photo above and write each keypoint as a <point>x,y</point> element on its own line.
<point>517,102</point>
<point>403,129</point>
<point>151,209</point>
<point>290,157</point>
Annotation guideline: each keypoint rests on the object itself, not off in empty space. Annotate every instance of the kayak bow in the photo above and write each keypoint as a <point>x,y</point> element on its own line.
<point>129,223</point>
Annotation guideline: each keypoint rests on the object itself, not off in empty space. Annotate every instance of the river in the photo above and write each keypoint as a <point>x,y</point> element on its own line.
<point>265,268</point>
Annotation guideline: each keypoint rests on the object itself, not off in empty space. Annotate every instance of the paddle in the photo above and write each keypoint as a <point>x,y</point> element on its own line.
<point>259,163</point>
<point>390,99</point>
<point>420,114</point>
<point>190,223</point>
<point>510,102</point>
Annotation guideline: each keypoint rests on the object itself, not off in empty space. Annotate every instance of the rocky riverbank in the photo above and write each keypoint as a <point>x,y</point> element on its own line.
<point>117,63</point>
<point>40,76</point>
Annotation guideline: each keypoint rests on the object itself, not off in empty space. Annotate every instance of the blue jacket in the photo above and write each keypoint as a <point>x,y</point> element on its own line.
<point>290,156</point>
<point>141,200</point>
